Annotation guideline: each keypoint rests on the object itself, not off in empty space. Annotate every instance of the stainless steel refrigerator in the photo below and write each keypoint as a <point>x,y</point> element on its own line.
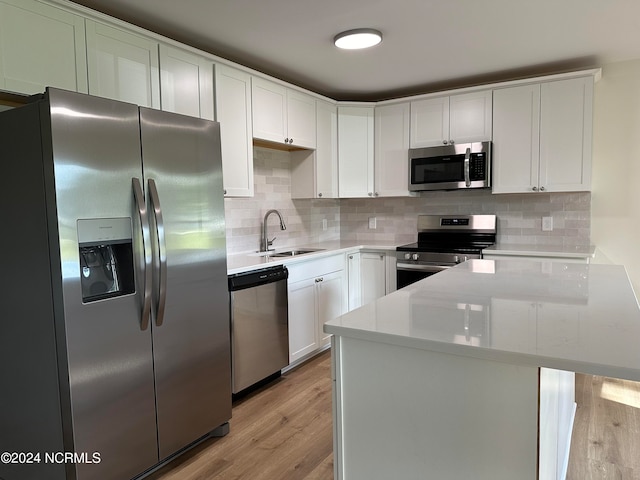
<point>114,327</point>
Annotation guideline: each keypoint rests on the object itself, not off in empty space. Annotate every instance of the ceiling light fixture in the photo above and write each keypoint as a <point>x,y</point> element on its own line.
<point>358,38</point>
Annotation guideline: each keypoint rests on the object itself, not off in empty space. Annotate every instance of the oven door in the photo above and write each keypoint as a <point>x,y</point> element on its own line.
<point>408,273</point>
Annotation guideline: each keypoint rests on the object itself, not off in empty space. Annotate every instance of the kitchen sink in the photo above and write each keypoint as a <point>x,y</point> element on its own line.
<point>293,253</point>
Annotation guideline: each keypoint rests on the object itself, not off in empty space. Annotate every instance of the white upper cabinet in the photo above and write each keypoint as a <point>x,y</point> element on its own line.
<point>542,137</point>
<point>314,174</point>
<point>41,46</point>
<point>566,123</point>
<point>283,115</point>
<point>459,118</point>
<point>186,83</point>
<point>326,150</point>
<point>122,66</point>
<point>516,144</point>
<point>233,111</point>
<point>391,152</point>
<point>355,151</point>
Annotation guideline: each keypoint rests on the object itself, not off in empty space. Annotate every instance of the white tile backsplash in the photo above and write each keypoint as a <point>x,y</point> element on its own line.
<point>519,215</point>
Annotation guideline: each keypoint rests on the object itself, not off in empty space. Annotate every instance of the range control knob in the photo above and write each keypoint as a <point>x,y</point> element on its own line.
<point>407,256</point>
<point>415,257</point>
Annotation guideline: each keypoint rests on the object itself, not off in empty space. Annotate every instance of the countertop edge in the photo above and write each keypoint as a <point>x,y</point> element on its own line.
<point>539,251</point>
<point>501,356</point>
<point>325,252</point>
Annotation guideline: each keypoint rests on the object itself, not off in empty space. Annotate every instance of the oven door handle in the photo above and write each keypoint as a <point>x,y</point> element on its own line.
<point>422,268</point>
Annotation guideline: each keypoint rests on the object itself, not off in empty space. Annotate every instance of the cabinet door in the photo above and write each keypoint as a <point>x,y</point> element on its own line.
<point>41,46</point>
<point>373,274</point>
<point>565,135</point>
<point>391,150</point>
<point>301,119</point>
<point>303,327</point>
<point>186,83</point>
<point>331,302</point>
<point>355,152</point>
<point>516,133</point>
<point>233,111</point>
<point>122,66</point>
<point>269,110</point>
<point>429,122</point>
<point>354,280</point>
<point>470,117</point>
<point>326,161</point>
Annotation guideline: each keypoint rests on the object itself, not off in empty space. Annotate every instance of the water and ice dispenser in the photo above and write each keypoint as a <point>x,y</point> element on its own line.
<point>106,258</point>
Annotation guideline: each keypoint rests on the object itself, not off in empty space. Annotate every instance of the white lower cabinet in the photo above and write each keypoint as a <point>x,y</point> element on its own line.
<point>371,275</point>
<point>317,293</point>
<point>40,46</point>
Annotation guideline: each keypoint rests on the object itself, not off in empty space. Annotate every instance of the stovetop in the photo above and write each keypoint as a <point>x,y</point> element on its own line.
<point>444,248</point>
<point>453,234</point>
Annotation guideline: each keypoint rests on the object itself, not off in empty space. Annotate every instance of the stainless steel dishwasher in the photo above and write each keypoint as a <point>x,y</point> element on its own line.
<point>259,325</point>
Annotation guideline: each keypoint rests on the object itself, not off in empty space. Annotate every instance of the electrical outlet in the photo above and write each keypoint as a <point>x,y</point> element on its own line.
<point>547,224</point>
<point>324,224</point>
<point>372,222</point>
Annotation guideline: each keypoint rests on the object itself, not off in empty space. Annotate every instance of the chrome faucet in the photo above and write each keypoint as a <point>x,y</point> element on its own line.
<point>265,243</point>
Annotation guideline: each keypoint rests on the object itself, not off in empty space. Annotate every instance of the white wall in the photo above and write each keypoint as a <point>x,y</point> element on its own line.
<point>615,199</point>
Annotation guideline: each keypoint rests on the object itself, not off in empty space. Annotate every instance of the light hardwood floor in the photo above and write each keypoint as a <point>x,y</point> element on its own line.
<point>283,432</point>
<point>606,433</point>
<point>280,432</point>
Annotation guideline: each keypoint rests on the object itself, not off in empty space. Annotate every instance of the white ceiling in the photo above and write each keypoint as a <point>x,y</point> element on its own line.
<point>428,45</point>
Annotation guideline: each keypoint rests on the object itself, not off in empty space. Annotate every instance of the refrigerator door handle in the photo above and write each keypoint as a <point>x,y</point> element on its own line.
<point>162,251</point>
<point>146,243</point>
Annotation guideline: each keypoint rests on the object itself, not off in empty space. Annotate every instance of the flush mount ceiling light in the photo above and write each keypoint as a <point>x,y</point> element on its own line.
<point>358,38</point>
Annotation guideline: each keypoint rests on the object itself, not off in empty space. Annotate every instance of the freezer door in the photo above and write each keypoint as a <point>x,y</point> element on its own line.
<point>94,150</point>
<point>190,301</point>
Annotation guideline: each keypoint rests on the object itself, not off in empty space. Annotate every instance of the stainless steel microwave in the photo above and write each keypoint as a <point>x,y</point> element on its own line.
<point>450,167</point>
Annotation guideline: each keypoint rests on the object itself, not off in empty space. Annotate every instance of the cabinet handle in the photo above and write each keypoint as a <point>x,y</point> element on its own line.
<point>350,257</point>
<point>375,194</point>
<point>542,189</point>
<point>318,280</point>
<point>451,142</point>
<point>224,191</point>
<point>381,257</point>
<point>370,194</point>
<point>320,194</point>
<point>444,142</point>
<point>535,189</point>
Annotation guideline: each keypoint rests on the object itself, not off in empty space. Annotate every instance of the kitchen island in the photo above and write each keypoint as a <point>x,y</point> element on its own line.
<point>469,373</point>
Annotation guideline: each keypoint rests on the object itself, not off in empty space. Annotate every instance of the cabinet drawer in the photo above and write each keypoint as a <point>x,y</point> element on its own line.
<point>313,268</point>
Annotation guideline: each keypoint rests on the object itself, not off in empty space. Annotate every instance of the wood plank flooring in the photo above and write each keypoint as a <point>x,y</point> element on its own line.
<point>606,433</point>
<point>280,432</point>
<point>284,432</point>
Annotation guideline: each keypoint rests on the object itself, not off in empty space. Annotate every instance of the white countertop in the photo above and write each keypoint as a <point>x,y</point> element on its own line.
<point>244,262</point>
<point>541,250</point>
<point>576,317</point>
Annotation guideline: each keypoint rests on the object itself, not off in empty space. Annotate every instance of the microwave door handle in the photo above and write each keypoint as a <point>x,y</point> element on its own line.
<point>162,251</point>
<point>146,252</point>
<point>467,161</point>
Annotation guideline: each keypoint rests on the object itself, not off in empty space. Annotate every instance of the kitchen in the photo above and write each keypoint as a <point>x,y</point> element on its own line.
<point>574,214</point>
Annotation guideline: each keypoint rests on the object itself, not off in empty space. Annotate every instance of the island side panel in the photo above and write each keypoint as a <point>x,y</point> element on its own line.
<point>413,414</point>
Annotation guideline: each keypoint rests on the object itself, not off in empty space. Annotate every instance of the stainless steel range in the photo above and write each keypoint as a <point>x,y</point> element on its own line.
<point>443,242</point>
